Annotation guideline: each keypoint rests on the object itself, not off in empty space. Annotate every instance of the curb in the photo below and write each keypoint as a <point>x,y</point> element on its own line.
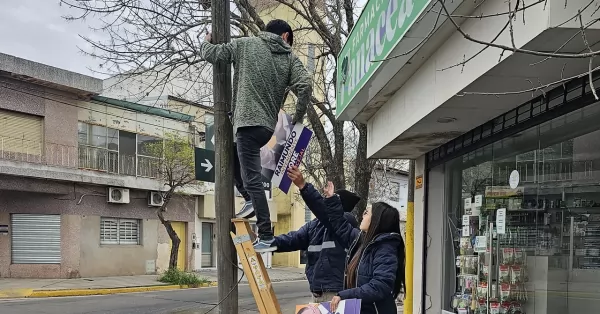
<point>31,293</point>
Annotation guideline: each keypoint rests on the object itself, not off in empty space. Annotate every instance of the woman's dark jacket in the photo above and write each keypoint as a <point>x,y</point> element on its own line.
<point>326,256</point>
<point>376,272</point>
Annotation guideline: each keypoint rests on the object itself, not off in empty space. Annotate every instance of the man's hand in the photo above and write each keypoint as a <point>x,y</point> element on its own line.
<point>296,176</point>
<point>208,38</point>
<point>328,190</point>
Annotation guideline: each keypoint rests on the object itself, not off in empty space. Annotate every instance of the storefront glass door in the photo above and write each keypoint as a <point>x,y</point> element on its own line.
<point>524,217</point>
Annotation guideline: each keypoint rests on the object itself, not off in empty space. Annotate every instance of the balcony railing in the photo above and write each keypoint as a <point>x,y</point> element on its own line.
<point>82,156</point>
<point>102,159</point>
<point>39,153</point>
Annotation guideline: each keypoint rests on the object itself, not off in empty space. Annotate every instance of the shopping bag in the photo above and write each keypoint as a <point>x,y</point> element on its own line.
<point>350,306</point>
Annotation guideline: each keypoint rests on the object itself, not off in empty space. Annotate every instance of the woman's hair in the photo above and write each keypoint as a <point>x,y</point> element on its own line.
<point>384,219</point>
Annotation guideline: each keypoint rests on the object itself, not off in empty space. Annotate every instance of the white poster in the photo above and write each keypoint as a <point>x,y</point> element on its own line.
<point>478,200</point>
<point>501,221</point>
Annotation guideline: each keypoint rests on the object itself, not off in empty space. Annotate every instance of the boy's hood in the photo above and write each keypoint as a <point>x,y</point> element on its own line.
<point>275,42</point>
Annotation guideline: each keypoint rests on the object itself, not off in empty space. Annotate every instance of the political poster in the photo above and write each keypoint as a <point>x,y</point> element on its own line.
<point>285,149</point>
<point>350,306</point>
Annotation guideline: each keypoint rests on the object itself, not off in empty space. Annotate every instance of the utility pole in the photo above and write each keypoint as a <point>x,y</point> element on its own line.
<point>410,239</point>
<point>224,206</point>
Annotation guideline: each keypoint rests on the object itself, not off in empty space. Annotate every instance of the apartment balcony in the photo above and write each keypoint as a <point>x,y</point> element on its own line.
<point>105,160</point>
<point>50,154</point>
<point>82,157</point>
<point>83,164</point>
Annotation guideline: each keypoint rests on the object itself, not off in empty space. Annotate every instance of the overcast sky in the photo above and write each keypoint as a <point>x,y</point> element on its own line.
<point>35,30</point>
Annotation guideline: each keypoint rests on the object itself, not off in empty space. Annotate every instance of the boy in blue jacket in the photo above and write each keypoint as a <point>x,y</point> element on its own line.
<point>326,257</point>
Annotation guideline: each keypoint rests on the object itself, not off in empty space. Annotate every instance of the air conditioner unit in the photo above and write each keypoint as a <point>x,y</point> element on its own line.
<point>118,195</point>
<point>155,199</point>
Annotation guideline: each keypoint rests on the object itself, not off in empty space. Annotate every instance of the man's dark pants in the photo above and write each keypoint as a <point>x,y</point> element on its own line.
<point>248,178</point>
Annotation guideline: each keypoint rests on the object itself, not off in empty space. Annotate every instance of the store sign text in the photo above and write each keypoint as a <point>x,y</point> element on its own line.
<point>376,33</point>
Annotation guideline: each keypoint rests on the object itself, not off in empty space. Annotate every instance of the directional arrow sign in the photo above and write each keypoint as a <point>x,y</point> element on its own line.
<point>207,165</point>
<point>204,164</point>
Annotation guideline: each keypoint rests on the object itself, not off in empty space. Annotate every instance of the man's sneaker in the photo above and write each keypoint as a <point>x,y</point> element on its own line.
<point>247,211</point>
<point>263,246</point>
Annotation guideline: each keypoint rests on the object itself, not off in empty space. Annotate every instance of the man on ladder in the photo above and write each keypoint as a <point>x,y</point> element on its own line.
<point>264,68</point>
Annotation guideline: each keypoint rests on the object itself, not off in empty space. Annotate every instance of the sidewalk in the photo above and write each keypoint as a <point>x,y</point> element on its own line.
<point>20,288</point>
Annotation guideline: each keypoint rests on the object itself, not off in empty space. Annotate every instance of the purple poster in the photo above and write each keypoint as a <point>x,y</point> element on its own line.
<point>289,153</point>
<point>350,306</point>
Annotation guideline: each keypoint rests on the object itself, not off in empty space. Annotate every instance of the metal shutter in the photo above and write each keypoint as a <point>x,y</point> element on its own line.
<point>21,133</point>
<point>35,239</point>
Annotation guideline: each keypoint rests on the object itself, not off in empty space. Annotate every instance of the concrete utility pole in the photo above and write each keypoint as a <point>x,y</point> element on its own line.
<point>224,199</point>
<point>410,238</point>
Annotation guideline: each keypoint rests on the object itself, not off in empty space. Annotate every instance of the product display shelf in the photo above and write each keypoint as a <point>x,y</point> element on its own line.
<point>492,269</point>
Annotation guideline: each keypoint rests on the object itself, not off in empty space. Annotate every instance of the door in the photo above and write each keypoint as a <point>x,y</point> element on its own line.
<point>35,239</point>
<point>179,228</point>
<point>207,245</point>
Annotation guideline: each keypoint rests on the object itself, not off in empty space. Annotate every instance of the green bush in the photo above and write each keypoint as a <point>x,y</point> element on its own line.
<point>177,277</point>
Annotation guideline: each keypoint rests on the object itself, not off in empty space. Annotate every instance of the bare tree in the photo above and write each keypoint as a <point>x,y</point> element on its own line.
<point>157,38</point>
<point>175,167</point>
<point>586,16</point>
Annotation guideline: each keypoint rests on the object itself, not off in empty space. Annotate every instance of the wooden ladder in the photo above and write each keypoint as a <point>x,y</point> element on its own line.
<point>254,268</point>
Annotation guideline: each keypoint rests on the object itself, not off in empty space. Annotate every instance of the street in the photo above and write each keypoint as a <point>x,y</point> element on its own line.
<point>190,301</point>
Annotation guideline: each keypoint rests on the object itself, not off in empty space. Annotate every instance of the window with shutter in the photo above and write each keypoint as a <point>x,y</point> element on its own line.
<point>21,135</point>
<point>119,231</point>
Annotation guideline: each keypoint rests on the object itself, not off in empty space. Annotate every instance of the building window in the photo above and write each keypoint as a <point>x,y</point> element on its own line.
<point>394,191</point>
<point>98,147</point>
<point>21,136</point>
<point>147,157</point>
<point>119,231</point>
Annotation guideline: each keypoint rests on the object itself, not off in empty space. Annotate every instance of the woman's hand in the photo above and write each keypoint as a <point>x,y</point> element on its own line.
<point>334,304</point>
<point>328,190</point>
<point>296,176</point>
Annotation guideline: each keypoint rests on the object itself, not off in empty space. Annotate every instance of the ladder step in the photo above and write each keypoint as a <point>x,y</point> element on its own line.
<point>254,268</point>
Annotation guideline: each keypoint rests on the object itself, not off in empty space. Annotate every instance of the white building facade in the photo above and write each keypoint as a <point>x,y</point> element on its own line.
<point>510,171</point>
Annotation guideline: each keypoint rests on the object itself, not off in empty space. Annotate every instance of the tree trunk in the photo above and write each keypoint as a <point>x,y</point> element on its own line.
<point>337,175</point>
<point>363,171</point>
<point>175,240</point>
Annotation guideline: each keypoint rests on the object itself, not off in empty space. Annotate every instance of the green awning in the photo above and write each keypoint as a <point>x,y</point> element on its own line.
<point>145,109</point>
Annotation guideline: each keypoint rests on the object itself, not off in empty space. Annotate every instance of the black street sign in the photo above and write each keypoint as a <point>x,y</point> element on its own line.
<point>204,160</point>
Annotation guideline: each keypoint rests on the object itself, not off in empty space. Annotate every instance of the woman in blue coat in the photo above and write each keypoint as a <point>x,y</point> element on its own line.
<point>375,260</point>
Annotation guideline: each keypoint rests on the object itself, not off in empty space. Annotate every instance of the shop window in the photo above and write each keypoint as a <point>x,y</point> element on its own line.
<point>526,210</point>
<point>119,231</point>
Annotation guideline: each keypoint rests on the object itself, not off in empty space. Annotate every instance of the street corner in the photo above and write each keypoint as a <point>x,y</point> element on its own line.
<point>15,293</point>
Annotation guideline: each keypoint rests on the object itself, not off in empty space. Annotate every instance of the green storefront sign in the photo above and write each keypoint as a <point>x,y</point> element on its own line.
<point>379,29</point>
